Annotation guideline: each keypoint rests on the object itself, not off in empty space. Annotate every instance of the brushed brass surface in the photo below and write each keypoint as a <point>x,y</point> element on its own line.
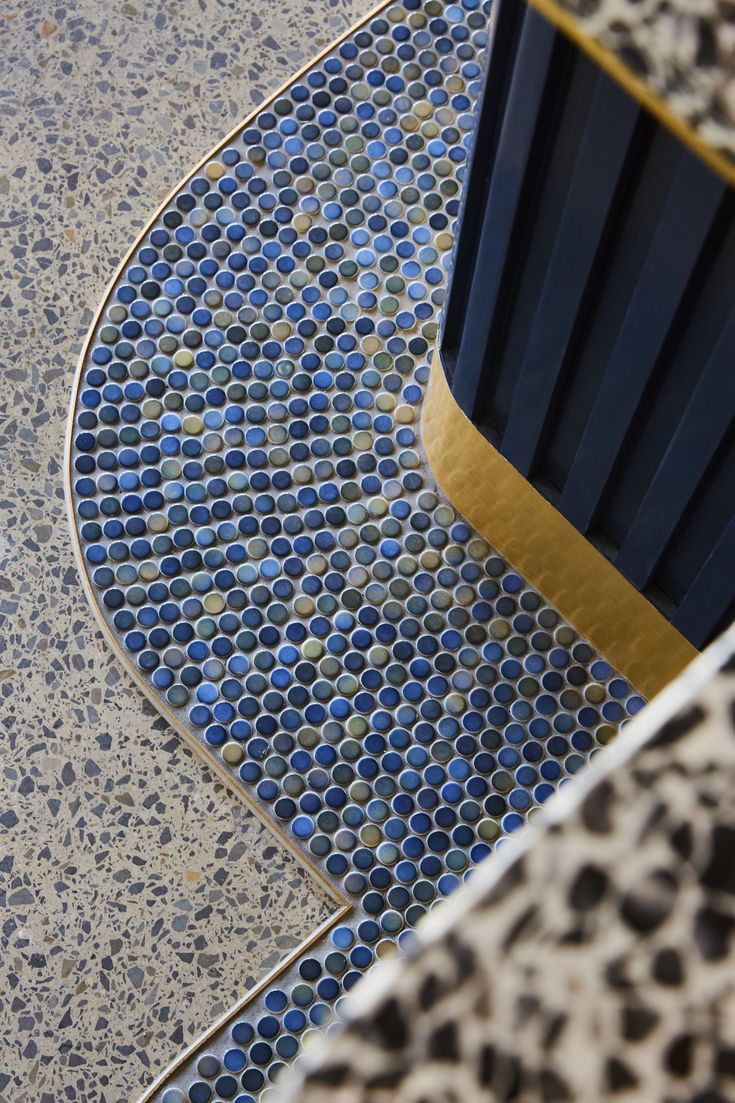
<point>545,548</point>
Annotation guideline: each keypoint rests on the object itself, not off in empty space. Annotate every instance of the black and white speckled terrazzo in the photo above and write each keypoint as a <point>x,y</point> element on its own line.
<point>682,51</point>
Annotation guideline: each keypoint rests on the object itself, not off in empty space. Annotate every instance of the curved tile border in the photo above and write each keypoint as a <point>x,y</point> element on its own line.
<point>264,545</point>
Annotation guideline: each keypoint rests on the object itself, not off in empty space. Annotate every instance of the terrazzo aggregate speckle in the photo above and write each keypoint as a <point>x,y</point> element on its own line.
<point>265,543</point>
<point>139,899</point>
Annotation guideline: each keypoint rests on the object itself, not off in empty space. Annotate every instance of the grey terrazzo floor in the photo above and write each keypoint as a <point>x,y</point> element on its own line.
<point>122,938</point>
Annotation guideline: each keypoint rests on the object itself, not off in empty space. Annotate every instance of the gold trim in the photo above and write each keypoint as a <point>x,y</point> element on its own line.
<point>170,1070</point>
<point>547,550</point>
<point>572,27</point>
<point>345,906</point>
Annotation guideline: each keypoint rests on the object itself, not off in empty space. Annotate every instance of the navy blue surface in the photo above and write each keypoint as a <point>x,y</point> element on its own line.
<point>705,423</point>
<point>591,191</point>
<point>676,245</point>
<point>589,331</point>
<point>504,202</point>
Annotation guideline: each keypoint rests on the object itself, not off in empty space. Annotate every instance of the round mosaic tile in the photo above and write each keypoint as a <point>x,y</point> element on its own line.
<point>264,542</point>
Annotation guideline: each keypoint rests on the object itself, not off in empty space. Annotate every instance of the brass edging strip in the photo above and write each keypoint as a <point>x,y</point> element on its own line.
<point>344,906</point>
<point>545,548</point>
<point>252,994</point>
<point>573,28</point>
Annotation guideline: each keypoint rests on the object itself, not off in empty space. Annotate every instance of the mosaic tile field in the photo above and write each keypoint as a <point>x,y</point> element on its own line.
<point>265,543</point>
<point>128,873</point>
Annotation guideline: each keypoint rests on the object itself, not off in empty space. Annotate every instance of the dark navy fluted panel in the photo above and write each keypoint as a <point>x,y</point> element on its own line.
<point>589,330</point>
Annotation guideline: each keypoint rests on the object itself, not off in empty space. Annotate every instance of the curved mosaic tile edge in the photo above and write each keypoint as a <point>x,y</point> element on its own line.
<point>287,966</point>
<point>343,906</point>
<point>212,761</point>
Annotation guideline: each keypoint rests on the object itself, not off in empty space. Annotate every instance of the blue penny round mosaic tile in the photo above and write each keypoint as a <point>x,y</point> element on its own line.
<point>263,538</point>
